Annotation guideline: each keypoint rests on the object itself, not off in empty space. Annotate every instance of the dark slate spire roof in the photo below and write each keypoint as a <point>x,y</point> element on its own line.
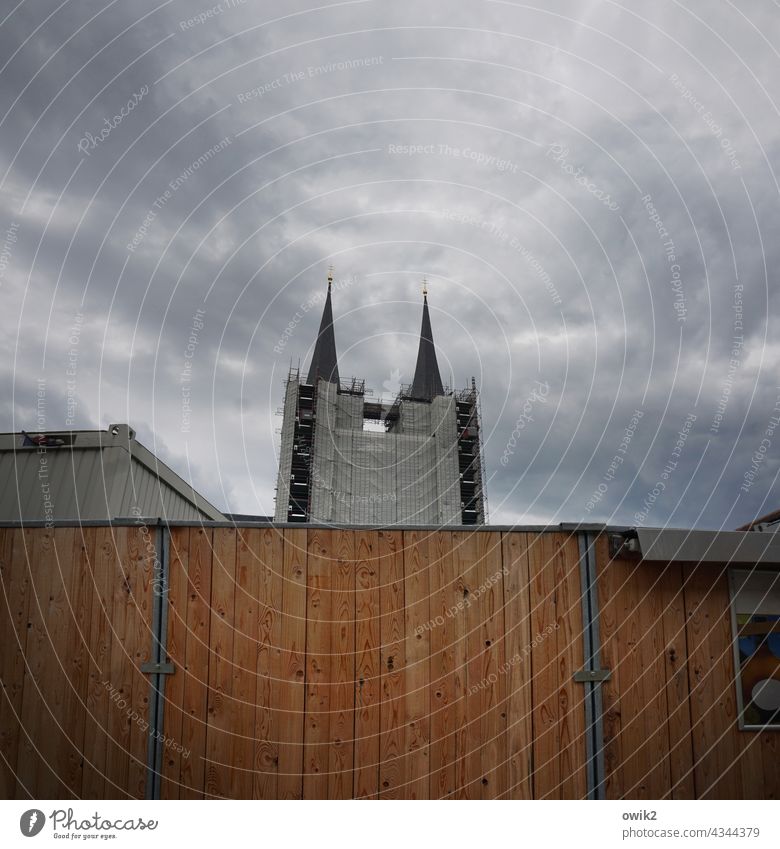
<point>323,362</point>
<point>427,380</point>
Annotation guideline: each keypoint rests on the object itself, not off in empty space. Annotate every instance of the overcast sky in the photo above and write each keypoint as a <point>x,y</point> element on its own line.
<point>591,189</point>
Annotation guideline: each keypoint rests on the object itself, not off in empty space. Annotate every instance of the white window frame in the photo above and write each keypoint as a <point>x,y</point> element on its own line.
<point>736,580</point>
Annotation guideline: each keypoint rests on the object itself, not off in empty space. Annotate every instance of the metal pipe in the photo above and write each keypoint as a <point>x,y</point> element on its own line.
<point>592,676</point>
<point>163,653</point>
<point>157,667</point>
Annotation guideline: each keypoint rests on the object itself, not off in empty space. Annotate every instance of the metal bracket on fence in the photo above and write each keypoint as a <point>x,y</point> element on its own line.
<point>588,676</point>
<point>150,668</point>
<point>624,545</point>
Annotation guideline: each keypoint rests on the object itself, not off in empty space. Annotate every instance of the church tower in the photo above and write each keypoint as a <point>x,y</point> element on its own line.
<point>420,464</point>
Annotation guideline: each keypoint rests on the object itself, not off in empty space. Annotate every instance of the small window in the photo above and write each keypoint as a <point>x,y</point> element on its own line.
<point>755,603</point>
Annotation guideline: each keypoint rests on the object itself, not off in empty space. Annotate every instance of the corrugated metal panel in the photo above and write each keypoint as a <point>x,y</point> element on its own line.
<point>70,480</point>
<point>150,496</point>
<point>9,506</point>
<point>85,484</point>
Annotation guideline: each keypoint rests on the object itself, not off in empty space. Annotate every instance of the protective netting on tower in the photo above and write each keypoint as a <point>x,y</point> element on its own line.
<point>408,474</point>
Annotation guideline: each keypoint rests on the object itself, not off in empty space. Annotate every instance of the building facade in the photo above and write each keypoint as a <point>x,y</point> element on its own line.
<point>90,475</point>
<point>420,464</point>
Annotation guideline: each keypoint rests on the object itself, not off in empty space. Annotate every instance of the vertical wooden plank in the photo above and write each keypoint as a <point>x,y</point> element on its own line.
<point>493,751</point>
<point>367,666</point>
<point>770,758</point>
<point>544,658</point>
<point>34,774</point>
<point>100,549</point>
<point>643,686</point>
<point>74,660</point>
<point>652,647</point>
<point>713,695</point>
<point>138,643</point>
<point>341,752</point>
<point>15,609</point>
<point>196,666</point>
<point>462,561</point>
<point>517,615</point>
<point>119,680</point>
<point>611,575</point>
<point>318,664</point>
<point>751,765</point>
<point>44,749</point>
<point>271,565</point>
<point>293,666</point>
<point>53,743</point>
<point>246,615</point>
<point>444,601</point>
<point>634,727</point>
<point>417,701</point>
<point>472,573</point>
<point>69,614</point>
<point>569,645</point>
<point>218,770</point>
<point>173,710</point>
<point>392,742</point>
<point>676,664</point>
<point>556,639</point>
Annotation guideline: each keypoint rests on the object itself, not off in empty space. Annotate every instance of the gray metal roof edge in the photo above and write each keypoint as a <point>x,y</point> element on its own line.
<point>177,523</point>
<point>656,544</point>
<point>9,440</point>
<point>105,439</point>
<point>700,546</point>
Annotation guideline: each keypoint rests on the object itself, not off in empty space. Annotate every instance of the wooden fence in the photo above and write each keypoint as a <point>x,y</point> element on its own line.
<point>312,663</point>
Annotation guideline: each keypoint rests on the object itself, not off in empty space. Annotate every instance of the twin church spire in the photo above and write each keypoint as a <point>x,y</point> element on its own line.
<point>412,460</point>
<point>324,363</point>
<point>427,379</point>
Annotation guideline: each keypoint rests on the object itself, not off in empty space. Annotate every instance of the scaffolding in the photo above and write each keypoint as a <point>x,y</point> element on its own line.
<point>472,485</point>
<point>424,468</point>
<point>302,454</point>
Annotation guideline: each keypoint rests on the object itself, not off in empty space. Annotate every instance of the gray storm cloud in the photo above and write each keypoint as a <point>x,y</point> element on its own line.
<point>589,188</point>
